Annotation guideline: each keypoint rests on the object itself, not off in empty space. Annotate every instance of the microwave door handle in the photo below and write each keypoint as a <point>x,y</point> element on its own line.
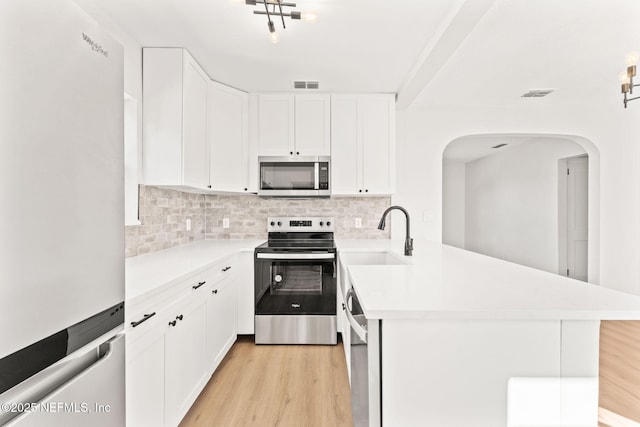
<point>316,176</point>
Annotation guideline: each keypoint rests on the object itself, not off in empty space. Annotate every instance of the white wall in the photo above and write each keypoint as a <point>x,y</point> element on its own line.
<point>423,134</point>
<point>453,203</point>
<point>512,202</point>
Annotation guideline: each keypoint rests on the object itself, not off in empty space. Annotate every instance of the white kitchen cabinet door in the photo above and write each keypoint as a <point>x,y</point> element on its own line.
<point>174,121</point>
<point>145,373</point>
<point>346,162</point>
<point>276,125</point>
<point>222,320</point>
<point>363,144</point>
<point>185,371</point>
<point>228,142</point>
<point>378,144</point>
<point>313,125</point>
<point>244,279</point>
<point>195,162</point>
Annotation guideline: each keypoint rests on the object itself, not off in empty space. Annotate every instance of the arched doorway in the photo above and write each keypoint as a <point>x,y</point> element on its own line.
<point>504,194</point>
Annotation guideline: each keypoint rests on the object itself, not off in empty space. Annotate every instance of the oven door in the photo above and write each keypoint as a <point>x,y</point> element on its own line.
<point>295,283</point>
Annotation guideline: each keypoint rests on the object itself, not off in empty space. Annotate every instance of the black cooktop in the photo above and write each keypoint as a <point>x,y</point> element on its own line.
<point>297,244</point>
<point>298,240</point>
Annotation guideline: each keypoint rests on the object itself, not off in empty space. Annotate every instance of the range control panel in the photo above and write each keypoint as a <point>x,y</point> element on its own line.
<point>288,224</point>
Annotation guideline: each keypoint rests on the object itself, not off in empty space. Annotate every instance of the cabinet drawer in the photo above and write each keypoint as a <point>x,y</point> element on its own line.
<point>161,299</point>
<point>222,270</point>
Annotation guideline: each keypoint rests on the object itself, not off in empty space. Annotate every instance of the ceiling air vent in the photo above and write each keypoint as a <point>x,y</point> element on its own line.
<point>537,93</point>
<point>300,84</point>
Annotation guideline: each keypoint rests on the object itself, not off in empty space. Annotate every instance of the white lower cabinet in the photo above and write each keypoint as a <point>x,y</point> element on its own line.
<point>185,372</point>
<point>246,305</point>
<point>343,322</point>
<point>221,321</point>
<point>145,373</point>
<point>188,330</point>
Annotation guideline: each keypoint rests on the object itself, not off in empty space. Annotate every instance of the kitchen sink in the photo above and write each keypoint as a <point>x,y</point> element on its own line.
<point>371,258</point>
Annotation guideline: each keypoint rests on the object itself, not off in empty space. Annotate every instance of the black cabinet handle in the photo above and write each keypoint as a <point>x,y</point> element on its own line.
<point>179,317</point>
<point>199,284</point>
<point>245,189</point>
<point>344,307</point>
<point>172,323</point>
<point>226,268</point>
<point>215,291</point>
<point>297,153</point>
<point>291,152</point>
<point>208,186</point>
<point>366,191</point>
<point>144,319</point>
<point>360,191</point>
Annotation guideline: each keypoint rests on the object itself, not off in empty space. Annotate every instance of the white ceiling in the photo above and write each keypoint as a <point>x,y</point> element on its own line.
<point>433,53</point>
<point>468,149</point>
<point>355,45</point>
<point>575,46</point>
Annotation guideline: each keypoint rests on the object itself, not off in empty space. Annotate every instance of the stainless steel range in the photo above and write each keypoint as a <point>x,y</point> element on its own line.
<point>295,282</point>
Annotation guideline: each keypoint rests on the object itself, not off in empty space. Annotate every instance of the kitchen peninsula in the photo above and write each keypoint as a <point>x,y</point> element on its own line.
<point>461,332</point>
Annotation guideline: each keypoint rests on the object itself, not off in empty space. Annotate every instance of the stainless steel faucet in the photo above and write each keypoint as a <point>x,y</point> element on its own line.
<point>408,241</point>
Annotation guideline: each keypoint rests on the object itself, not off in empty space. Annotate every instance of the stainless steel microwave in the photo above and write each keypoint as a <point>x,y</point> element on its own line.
<point>301,176</point>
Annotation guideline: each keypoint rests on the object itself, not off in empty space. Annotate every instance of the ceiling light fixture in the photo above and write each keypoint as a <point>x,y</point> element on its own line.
<point>626,78</point>
<point>274,8</point>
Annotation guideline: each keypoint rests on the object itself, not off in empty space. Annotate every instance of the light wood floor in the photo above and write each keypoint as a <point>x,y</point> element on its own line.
<point>619,377</point>
<point>275,385</point>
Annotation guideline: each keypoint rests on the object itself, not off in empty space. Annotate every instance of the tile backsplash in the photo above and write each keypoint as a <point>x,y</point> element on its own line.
<point>164,214</point>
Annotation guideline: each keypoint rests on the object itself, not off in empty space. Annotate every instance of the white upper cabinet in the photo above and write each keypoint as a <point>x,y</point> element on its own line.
<point>228,139</point>
<point>313,125</point>
<point>294,125</point>
<point>363,144</point>
<point>276,125</point>
<point>175,149</point>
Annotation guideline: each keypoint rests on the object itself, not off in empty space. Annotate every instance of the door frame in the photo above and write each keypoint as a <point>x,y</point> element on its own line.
<point>563,217</point>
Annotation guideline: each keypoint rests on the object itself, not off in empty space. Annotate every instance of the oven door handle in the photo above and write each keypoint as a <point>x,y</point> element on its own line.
<point>357,328</point>
<point>294,256</point>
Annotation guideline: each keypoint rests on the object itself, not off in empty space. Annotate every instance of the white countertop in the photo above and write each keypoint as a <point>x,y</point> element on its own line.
<point>146,273</point>
<point>444,282</point>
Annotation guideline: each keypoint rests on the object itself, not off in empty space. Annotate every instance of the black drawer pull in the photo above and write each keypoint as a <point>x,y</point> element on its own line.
<point>172,323</point>
<point>215,291</point>
<point>144,319</point>
<point>179,317</point>
<point>226,268</point>
<point>199,284</point>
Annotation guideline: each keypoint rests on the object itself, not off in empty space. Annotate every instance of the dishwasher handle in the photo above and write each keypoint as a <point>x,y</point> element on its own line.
<point>355,326</point>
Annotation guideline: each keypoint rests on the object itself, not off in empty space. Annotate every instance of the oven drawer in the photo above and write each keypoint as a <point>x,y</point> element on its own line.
<point>294,329</point>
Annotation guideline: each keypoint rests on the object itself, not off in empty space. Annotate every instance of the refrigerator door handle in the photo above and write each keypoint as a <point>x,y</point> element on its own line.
<point>45,382</point>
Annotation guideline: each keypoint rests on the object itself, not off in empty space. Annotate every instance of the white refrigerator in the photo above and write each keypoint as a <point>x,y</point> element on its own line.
<point>61,218</point>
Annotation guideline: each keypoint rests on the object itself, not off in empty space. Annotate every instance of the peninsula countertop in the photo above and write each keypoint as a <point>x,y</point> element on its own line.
<point>444,282</point>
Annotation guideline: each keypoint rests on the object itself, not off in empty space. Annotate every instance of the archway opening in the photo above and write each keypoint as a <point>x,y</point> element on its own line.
<point>505,195</point>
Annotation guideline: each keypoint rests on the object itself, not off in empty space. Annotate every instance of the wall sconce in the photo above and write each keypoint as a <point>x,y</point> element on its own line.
<point>626,78</point>
<point>277,11</point>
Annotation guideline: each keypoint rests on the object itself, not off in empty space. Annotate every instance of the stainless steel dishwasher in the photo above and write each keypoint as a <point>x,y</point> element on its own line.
<point>366,397</point>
